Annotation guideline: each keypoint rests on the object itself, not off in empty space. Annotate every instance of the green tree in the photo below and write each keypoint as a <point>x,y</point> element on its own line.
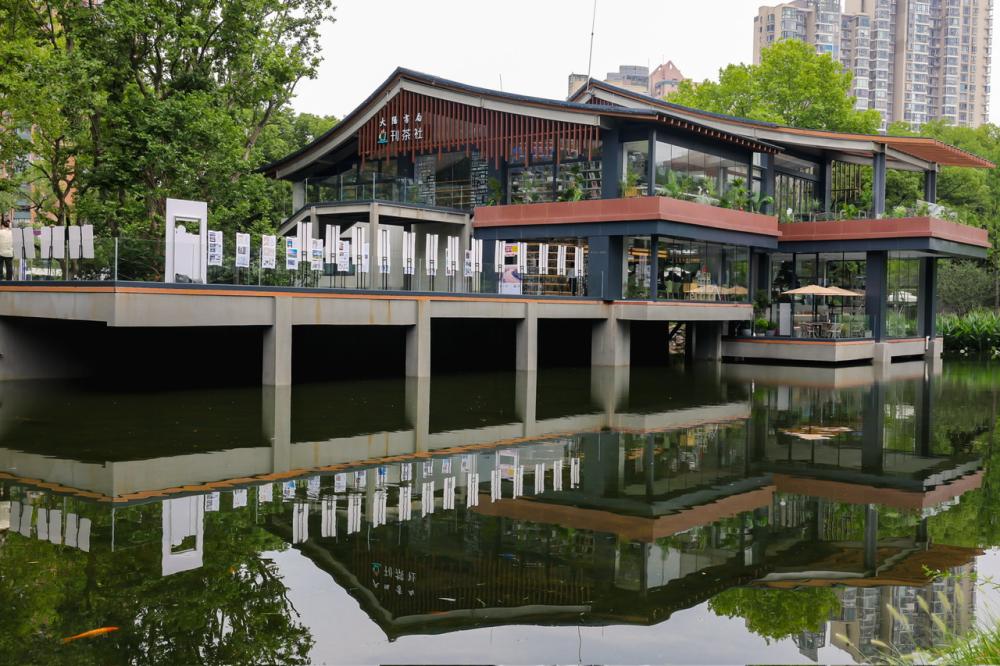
<point>792,85</point>
<point>777,614</point>
<point>124,103</point>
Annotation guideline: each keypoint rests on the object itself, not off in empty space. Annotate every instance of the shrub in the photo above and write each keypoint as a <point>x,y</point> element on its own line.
<point>976,333</point>
<point>964,286</point>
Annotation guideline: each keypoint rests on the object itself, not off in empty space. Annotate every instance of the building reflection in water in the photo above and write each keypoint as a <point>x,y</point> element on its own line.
<point>825,492</point>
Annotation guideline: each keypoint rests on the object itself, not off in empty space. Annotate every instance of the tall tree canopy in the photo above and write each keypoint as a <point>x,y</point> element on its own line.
<point>792,85</point>
<point>123,103</point>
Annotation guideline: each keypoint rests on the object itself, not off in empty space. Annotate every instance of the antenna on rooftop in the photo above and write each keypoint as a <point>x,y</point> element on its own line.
<point>590,57</point>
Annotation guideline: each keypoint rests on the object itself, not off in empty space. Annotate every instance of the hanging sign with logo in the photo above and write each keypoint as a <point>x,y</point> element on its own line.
<point>214,248</point>
<point>268,245</point>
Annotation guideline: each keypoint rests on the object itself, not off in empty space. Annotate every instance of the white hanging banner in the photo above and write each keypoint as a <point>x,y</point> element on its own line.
<point>291,253</point>
<point>28,242</point>
<point>58,242</point>
<point>316,257</point>
<point>467,264</point>
<point>329,244</point>
<point>451,256</point>
<point>384,251</point>
<point>87,241</point>
<point>74,241</point>
<point>214,248</point>
<point>477,255</point>
<point>522,257</point>
<point>432,253</point>
<point>409,252</point>
<point>561,260</point>
<point>304,233</point>
<point>578,262</point>
<point>242,250</point>
<point>268,252</point>
<point>344,256</point>
<point>45,243</point>
<point>543,258</point>
<point>498,250</point>
<point>365,255</point>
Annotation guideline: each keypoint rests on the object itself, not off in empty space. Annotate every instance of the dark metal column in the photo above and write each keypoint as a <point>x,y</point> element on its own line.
<point>872,429</point>
<point>930,186</point>
<point>611,163</point>
<point>927,297</point>
<point>878,184</point>
<point>604,272</point>
<point>871,537</point>
<point>654,267</point>
<point>876,297</point>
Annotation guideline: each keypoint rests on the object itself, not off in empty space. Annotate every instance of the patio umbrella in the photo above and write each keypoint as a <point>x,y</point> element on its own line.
<point>817,290</point>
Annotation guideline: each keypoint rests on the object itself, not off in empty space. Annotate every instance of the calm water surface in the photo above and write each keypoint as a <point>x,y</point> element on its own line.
<point>711,514</point>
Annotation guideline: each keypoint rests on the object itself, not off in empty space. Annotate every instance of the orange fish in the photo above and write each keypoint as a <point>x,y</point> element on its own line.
<point>91,634</point>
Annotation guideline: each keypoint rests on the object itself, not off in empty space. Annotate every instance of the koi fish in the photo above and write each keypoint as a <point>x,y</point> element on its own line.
<point>90,634</point>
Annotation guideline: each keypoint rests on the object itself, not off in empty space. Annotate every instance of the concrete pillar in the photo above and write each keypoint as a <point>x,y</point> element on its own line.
<point>527,340</point>
<point>374,277</point>
<point>876,291</point>
<point>609,389</point>
<point>418,410</point>
<point>878,184</point>
<point>418,343</point>
<point>277,369</point>
<point>610,343</point>
<point>930,186</point>
<point>881,355</point>
<point>927,297</point>
<point>704,340</point>
<point>526,400</point>
<point>276,416</point>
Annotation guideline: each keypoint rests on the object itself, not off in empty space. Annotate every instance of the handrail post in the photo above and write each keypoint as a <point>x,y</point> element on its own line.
<point>116,259</point>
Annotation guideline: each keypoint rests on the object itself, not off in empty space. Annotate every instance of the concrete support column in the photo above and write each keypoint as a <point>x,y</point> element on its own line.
<point>611,343</point>
<point>930,186</point>
<point>926,298</point>
<point>374,277</point>
<point>276,413</point>
<point>277,370</point>
<point>418,343</point>
<point>527,340</point>
<point>609,389</point>
<point>704,341</point>
<point>418,410</point>
<point>876,291</point>
<point>526,400</point>
<point>878,184</point>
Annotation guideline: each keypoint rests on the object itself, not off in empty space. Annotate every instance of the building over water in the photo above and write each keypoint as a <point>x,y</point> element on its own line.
<point>618,195</point>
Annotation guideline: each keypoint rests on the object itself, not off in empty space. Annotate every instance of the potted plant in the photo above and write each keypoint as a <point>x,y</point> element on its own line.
<point>746,331</point>
<point>760,325</point>
<point>772,329</point>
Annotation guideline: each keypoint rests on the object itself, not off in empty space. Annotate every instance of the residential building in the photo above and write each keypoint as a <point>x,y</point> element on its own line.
<point>637,78</point>
<point>912,60</point>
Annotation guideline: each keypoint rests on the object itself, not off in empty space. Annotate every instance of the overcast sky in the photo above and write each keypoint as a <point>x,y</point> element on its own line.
<point>532,44</point>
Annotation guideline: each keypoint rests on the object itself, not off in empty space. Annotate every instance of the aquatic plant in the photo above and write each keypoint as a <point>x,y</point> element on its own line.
<point>974,334</point>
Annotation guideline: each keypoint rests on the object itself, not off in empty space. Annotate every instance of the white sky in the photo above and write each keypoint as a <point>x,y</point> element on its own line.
<point>532,44</point>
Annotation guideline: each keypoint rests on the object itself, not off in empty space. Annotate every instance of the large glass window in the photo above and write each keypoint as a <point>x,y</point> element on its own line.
<point>903,296</point>
<point>686,270</point>
<point>635,181</point>
<point>689,174</point>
